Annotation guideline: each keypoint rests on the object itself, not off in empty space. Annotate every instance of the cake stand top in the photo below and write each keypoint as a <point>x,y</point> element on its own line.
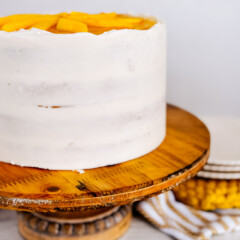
<point>182,154</point>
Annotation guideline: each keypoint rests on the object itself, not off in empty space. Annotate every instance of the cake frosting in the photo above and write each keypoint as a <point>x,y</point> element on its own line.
<point>80,100</point>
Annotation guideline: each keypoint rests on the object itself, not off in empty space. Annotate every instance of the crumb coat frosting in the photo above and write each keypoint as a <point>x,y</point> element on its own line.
<point>78,101</point>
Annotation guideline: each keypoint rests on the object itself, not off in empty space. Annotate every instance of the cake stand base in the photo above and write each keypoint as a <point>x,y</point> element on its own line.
<point>109,223</point>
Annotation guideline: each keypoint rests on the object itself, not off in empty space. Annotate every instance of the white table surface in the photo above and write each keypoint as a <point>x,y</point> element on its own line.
<point>139,229</point>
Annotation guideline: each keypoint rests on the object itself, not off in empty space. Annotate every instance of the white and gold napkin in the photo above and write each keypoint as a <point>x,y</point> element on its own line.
<point>184,222</point>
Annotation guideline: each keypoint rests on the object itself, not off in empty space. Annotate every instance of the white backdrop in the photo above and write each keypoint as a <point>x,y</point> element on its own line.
<point>203,72</point>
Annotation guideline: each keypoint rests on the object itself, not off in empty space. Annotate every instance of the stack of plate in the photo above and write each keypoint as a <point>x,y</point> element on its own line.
<point>224,161</point>
<point>217,185</point>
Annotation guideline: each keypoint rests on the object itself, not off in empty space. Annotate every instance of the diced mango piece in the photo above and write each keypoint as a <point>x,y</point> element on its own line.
<point>70,25</point>
<point>23,24</point>
<point>209,194</point>
<point>25,21</point>
<point>98,30</point>
<point>111,23</point>
<point>94,16</point>
<point>46,25</point>
<point>130,19</point>
<point>16,17</point>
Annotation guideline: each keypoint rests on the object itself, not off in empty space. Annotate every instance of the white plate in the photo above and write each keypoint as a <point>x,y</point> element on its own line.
<point>218,175</point>
<point>221,168</point>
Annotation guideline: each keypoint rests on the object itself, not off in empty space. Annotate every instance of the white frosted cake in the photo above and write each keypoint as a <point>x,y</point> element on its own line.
<point>78,99</point>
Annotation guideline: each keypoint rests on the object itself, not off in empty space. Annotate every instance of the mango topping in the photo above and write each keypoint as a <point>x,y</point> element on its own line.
<point>74,22</point>
<point>70,25</point>
<point>46,24</point>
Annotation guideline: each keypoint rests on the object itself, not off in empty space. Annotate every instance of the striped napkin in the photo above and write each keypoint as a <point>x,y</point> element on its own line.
<point>184,222</point>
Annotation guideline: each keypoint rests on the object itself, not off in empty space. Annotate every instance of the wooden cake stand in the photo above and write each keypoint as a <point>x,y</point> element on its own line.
<point>68,205</point>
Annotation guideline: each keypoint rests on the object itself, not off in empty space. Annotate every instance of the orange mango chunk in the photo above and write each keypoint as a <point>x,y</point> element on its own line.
<point>108,23</point>
<point>46,25</point>
<point>94,16</point>
<point>25,21</point>
<point>70,25</point>
<point>23,24</point>
<point>16,17</point>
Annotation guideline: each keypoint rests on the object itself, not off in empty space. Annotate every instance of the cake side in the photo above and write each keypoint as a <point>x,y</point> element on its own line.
<point>77,101</point>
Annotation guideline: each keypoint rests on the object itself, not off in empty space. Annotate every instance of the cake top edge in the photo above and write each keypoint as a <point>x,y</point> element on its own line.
<point>76,22</point>
<point>37,33</point>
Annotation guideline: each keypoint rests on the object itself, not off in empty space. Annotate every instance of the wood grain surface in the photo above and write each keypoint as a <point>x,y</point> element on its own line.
<point>182,154</point>
<point>111,226</point>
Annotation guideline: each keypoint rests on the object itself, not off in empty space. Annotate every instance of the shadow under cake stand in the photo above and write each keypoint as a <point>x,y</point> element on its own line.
<point>64,205</point>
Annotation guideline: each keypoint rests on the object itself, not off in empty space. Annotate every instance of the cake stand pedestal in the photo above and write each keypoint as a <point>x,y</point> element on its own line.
<point>107,224</point>
<point>62,205</point>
